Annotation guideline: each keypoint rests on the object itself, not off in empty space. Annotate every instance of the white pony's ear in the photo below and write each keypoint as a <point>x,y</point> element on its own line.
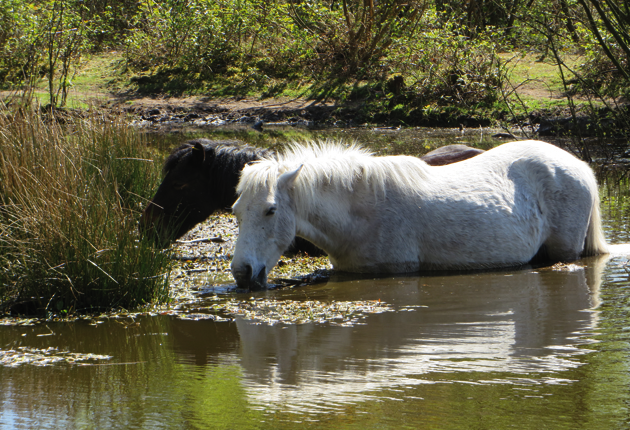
<point>286,180</point>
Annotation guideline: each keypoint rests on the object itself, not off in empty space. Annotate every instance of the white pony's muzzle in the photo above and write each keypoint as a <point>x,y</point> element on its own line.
<point>249,279</point>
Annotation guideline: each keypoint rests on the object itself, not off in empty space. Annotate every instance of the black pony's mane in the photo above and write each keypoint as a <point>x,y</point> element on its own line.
<point>224,161</point>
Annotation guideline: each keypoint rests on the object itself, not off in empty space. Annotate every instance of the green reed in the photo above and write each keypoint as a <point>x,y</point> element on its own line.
<point>70,197</point>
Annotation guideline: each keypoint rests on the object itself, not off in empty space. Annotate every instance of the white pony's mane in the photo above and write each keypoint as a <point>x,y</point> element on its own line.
<point>337,166</point>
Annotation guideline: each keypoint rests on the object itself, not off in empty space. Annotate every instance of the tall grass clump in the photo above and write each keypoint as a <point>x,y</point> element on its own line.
<point>69,201</point>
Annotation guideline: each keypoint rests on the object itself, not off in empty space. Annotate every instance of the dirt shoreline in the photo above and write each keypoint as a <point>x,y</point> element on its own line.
<point>203,111</point>
<point>168,113</point>
<point>162,113</point>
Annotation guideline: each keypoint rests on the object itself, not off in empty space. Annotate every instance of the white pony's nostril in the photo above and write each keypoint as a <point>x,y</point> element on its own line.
<point>248,272</point>
<point>246,277</point>
<point>262,274</point>
<point>242,275</point>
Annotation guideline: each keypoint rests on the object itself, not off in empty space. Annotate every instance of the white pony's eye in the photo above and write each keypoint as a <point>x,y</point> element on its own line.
<point>271,211</point>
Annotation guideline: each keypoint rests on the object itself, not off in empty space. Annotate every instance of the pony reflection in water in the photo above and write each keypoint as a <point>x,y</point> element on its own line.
<point>397,214</point>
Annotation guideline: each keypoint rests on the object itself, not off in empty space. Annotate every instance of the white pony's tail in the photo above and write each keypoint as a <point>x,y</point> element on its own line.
<point>595,242</point>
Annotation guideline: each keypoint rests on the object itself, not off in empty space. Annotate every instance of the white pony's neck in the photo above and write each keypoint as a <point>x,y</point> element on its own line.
<point>328,168</point>
<point>338,184</point>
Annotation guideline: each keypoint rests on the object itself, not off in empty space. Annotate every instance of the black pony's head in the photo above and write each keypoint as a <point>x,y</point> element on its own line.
<point>200,177</point>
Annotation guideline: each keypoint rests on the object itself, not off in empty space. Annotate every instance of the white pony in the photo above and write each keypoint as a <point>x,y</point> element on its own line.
<point>397,214</point>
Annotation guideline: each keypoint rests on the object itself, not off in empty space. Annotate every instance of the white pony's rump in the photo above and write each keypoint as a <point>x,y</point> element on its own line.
<point>397,214</point>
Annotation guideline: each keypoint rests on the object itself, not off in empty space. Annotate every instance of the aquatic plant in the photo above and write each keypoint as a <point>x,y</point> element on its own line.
<point>71,189</point>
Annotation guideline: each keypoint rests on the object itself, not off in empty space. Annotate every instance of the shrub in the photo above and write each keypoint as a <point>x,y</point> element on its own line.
<point>442,65</point>
<point>351,37</point>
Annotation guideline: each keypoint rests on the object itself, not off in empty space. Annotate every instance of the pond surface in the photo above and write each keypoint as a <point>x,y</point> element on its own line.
<point>532,348</point>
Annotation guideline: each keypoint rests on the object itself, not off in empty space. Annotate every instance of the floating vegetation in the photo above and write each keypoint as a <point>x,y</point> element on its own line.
<point>201,317</point>
<point>298,265</point>
<point>270,311</point>
<point>203,266</point>
<point>9,321</point>
<point>202,262</point>
<point>566,267</point>
<point>44,357</point>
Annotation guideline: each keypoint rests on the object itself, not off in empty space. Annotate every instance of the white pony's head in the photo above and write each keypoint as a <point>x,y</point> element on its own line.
<point>273,191</point>
<point>266,220</point>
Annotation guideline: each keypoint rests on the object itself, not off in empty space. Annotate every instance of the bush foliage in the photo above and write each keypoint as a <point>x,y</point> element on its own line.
<point>253,44</point>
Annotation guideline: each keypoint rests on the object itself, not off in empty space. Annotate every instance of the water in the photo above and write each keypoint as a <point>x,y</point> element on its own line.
<point>384,140</point>
<point>529,349</point>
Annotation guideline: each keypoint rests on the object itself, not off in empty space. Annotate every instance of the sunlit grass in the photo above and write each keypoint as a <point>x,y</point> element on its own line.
<point>538,81</point>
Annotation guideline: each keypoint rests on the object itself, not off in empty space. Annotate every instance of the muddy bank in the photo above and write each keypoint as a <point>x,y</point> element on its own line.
<point>156,113</point>
<point>176,113</point>
<point>165,114</point>
<point>169,114</point>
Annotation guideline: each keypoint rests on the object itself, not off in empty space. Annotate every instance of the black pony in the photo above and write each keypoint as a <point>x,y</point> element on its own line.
<point>200,177</point>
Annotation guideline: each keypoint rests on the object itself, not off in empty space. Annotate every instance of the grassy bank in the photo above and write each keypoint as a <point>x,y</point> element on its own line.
<point>70,194</point>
